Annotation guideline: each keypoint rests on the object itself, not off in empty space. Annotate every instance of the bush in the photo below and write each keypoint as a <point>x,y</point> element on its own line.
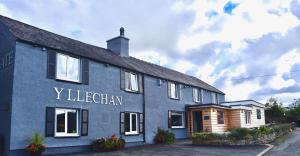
<point>240,133</point>
<point>108,144</point>
<point>244,136</point>
<point>164,136</point>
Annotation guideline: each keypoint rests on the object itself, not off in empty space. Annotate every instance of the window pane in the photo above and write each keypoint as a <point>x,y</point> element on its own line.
<point>61,66</point>
<point>195,93</point>
<point>220,117</point>
<point>173,90</point>
<point>60,121</point>
<point>133,121</point>
<point>134,82</point>
<point>73,68</point>
<point>213,97</point>
<point>127,122</point>
<point>72,121</point>
<point>177,119</point>
<point>127,81</point>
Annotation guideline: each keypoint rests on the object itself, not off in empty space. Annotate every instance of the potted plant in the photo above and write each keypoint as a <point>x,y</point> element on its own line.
<point>36,146</point>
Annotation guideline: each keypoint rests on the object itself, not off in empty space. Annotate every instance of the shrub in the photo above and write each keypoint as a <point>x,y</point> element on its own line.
<point>108,144</point>
<point>36,145</point>
<point>240,133</point>
<point>164,136</point>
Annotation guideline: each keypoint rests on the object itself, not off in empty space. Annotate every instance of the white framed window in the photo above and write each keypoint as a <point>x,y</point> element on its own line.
<point>177,119</point>
<point>173,90</point>
<point>214,98</point>
<point>66,122</point>
<point>220,116</point>
<point>198,95</point>
<point>131,123</point>
<point>68,68</point>
<point>131,82</point>
<point>258,113</point>
<point>247,117</point>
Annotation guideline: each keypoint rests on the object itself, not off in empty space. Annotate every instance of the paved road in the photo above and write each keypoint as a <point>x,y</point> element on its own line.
<point>290,147</point>
<point>183,148</point>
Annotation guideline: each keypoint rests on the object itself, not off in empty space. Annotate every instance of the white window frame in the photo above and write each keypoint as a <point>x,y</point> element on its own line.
<point>131,76</point>
<point>247,118</point>
<point>66,77</point>
<point>182,119</point>
<point>258,110</point>
<point>176,90</point>
<point>214,98</point>
<point>66,134</point>
<point>198,95</point>
<point>131,132</point>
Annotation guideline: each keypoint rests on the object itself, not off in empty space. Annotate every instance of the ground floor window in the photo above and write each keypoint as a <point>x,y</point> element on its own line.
<point>258,114</point>
<point>176,119</point>
<point>131,123</point>
<point>247,117</point>
<point>220,115</point>
<point>66,122</point>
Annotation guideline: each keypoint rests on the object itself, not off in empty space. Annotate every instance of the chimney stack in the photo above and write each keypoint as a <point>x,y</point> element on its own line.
<point>120,44</point>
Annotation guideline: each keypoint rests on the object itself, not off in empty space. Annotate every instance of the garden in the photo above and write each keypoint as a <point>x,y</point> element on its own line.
<point>244,136</point>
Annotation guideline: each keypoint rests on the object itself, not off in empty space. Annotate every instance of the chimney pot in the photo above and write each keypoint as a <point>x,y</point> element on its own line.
<point>122,31</point>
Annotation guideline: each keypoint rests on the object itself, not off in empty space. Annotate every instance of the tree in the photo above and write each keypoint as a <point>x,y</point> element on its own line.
<point>293,115</point>
<point>274,111</point>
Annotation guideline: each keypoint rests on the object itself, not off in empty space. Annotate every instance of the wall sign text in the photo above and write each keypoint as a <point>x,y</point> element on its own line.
<point>87,96</point>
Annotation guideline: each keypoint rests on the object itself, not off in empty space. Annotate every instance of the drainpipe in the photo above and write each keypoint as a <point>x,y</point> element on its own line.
<point>144,110</point>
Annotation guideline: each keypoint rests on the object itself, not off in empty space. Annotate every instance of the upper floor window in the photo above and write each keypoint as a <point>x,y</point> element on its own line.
<point>131,82</point>
<point>258,113</point>
<point>68,68</point>
<point>173,90</point>
<point>214,98</point>
<point>220,116</point>
<point>197,95</point>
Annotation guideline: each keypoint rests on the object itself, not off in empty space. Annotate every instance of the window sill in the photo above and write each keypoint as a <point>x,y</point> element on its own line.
<point>177,127</point>
<point>131,134</point>
<point>66,136</point>
<point>132,91</point>
<point>69,81</point>
<point>174,98</point>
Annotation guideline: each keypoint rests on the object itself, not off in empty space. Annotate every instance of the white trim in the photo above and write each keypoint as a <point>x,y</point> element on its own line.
<point>182,119</point>
<point>66,134</point>
<point>65,78</point>
<point>131,132</point>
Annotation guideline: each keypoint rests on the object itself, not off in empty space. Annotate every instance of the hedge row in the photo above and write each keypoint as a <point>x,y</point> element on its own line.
<point>244,136</point>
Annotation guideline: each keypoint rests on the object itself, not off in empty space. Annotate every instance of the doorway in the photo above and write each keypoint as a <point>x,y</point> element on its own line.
<point>197,121</point>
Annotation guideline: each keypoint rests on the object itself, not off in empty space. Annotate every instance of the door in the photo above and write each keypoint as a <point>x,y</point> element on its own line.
<point>197,121</point>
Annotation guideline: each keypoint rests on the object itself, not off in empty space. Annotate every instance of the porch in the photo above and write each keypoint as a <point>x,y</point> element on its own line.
<point>207,118</point>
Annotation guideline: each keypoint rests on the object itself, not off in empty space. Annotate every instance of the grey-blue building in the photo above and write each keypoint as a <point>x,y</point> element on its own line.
<point>72,92</point>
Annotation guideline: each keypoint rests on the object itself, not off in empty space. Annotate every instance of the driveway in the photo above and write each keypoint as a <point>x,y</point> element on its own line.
<point>182,148</point>
<point>290,147</point>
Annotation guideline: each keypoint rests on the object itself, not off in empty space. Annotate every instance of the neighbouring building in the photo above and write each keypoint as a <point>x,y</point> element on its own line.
<point>73,93</point>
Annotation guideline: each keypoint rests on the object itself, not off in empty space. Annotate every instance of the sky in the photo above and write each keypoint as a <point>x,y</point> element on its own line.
<point>249,49</point>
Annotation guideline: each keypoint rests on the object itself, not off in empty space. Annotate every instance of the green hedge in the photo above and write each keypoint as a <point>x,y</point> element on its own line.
<point>241,136</point>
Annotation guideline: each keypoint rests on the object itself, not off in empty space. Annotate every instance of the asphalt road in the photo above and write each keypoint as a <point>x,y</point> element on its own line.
<point>182,149</point>
<point>290,147</point>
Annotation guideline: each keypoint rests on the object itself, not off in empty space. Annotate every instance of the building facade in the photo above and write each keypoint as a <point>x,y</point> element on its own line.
<point>72,92</point>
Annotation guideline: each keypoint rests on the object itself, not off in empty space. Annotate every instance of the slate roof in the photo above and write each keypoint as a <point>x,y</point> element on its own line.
<point>36,36</point>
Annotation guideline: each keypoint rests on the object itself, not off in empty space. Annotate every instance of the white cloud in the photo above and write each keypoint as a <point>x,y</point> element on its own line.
<point>236,28</point>
<point>4,10</point>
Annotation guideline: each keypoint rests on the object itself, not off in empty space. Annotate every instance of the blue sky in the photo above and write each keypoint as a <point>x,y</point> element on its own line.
<point>250,49</point>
